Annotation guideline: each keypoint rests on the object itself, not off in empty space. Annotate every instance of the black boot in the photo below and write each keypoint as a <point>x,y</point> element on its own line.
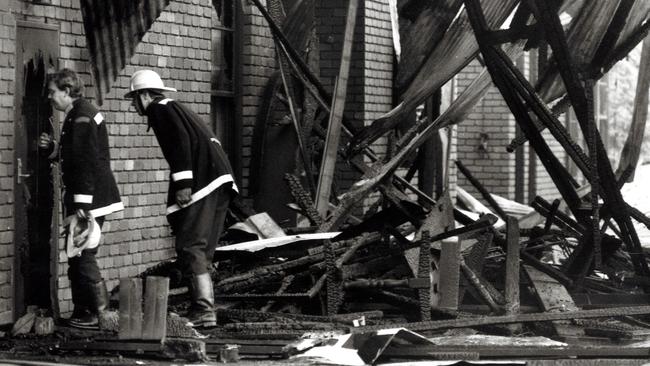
<point>80,300</point>
<point>98,296</point>
<point>202,312</point>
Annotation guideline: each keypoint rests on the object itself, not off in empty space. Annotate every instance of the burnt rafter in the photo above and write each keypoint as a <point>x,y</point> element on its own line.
<point>113,31</point>
<point>510,35</point>
<point>555,36</point>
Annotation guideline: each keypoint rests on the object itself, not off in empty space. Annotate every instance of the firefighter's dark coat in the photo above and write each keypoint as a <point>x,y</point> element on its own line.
<point>88,181</point>
<point>195,156</point>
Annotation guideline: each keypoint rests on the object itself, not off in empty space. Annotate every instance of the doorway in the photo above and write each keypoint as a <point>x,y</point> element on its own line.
<point>35,178</point>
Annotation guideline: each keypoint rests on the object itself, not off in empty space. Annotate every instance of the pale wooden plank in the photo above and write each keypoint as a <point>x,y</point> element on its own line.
<point>155,308</point>
<point>130,308</point>
<point>330,152</point>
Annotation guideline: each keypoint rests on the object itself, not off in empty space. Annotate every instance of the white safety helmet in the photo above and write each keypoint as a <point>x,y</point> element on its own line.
<point>93,234</point>
<point>146,79</point>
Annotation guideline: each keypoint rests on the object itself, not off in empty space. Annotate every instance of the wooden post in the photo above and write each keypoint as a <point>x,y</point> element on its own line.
<point>512,271</point>
<point>328,164</point>
<point>449,275</point>
<point>512,266</point>
<point>155,308</point>
<point>130,308</point>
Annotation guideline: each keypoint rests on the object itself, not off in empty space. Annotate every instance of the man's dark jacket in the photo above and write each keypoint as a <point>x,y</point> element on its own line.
<point>195,156</point>
<point>85,163</point>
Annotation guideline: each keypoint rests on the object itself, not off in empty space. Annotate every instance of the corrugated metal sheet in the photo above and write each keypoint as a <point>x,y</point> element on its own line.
<point>113,29</point>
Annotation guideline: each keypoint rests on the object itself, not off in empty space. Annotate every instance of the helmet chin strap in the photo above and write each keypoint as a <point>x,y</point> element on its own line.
<point>138,101</point>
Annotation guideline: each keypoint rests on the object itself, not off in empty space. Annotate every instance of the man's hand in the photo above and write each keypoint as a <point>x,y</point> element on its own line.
<point>183,196</point>
<point>84,227</point>
<point>45,141</point>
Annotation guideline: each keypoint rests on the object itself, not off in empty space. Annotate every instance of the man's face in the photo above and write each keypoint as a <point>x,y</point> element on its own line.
<point>58,98</point>
<point>136,102</point>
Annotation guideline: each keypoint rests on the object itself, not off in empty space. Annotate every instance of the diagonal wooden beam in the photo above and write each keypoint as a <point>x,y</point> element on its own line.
<point>328,163</point>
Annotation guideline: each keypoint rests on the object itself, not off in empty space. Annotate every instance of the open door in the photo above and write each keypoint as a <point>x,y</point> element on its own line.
<point>35,179</point>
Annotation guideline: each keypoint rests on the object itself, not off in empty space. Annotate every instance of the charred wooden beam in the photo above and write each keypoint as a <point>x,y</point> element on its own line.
<point>527,32</point>
<point>272,326</point>
<point>567,352</point>
<point>547,268</point>
<point>551,215</point>
<point>304,154</point>
<point>508,319</point>
<point>480,288</point>
<point>188,349</point>
<point>365,283</point>
<point>424,276</point>
<point>482,190</point>
<point>303,199</point>
<point>593,179</point>
<point>512,266</point>
<point>560,219</point>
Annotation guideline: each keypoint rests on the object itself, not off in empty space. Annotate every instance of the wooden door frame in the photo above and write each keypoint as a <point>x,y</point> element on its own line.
<point>17,277</point>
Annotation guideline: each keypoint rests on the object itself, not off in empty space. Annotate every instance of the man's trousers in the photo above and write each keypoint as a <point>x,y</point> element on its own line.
<point>197,228</point>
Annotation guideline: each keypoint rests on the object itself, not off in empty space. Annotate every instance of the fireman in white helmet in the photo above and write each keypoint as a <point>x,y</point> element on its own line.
<point>200,188</point>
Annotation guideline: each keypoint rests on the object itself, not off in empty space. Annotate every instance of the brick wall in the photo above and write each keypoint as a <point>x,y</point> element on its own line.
<point>178,47</point>
<point>489,163</point>
<point>377,62</point>
<point>495,168</point>
<point>7,75</point>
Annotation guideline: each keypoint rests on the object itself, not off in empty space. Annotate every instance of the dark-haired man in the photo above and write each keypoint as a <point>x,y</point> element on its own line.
<point>89,188</point>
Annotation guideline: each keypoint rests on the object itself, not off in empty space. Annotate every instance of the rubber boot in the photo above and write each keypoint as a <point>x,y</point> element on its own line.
<point>98,295</point>
<point>202,313</point>
<point>81,311</point>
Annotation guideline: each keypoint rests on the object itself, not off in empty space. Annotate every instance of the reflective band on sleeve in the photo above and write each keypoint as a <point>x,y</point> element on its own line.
<point>98,118</point>
<point>83,198</point>
<point>186,174</point>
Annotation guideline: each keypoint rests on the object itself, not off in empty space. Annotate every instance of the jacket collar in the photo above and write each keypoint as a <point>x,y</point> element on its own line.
<point>71,106</point>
